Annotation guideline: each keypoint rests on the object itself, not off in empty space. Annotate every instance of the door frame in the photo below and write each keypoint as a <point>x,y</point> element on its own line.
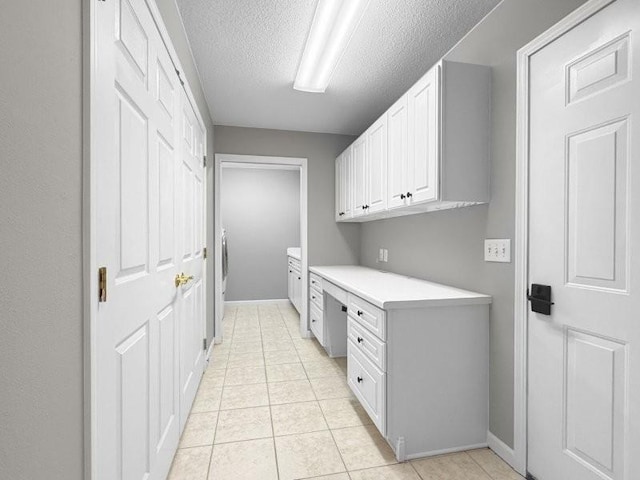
<point>90,214</point>
<point>264,161</point>
<point>517,456</point>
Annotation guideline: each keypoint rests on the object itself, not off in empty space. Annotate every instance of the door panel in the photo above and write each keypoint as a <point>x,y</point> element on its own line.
<point>377,166</point>
<point>339,187</point>
<point>584,368</point>
<point>359,176</point>
<point>424,146</point>
<point>398,158</point>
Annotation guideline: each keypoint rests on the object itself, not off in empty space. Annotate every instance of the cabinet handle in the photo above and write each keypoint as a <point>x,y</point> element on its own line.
<point>402,196</point>
<point>313,320</point>
<point>299,278</point>
<point>359,379</point>
<point>290,271</point>
<point>359,312</point>
<point>313,296</point>
<point>359,339</point>
<point>409,194</point>
<point>364,207</point>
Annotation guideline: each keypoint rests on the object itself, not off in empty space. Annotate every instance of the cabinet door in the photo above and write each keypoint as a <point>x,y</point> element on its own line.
<point>359,153</point>
<point>377,166</point>
<point>347,183</point>
<point>339,186</point>
<point>290,284</point>
<point>398,154</point>
<point>424,148</point>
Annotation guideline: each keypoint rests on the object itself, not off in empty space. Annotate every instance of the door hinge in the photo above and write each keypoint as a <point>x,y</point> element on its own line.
<point>102,284</point>
<point>204,252</point>
<point>204,343</point>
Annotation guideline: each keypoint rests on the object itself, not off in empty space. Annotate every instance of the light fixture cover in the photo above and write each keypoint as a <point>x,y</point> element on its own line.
<point>333,25</point>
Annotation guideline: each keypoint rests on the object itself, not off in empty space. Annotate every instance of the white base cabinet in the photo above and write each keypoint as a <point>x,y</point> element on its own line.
<point>294,283</point>
<point>419,365</point>
<point>430,151</point>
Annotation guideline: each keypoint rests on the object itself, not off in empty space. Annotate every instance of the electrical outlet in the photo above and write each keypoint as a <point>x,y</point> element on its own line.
<point>497,250</point>
<point>381,255</point>
<point>386,255</point>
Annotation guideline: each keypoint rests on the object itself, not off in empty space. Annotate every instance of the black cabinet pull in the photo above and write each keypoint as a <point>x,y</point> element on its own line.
<point>359,379</point>
<point>313,296</point>
<point>359,312</point>
<point>299,278</point>
<point>364,207</point>
<point>290,271</point>
<point>359,339</point>
<point>313,320</point>
<point>409,194</point>
<point>402,196</point>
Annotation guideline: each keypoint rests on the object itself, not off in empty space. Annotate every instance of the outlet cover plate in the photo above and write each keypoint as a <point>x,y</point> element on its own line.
<point>497,250</point>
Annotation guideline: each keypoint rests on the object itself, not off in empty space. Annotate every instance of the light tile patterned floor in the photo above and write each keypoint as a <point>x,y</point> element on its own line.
<point>273,406</point>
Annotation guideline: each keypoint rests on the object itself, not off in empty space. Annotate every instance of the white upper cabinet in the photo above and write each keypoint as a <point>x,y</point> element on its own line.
<point>344,192</point>
<point>359,182</point>
<point>430,151</point>
<point>422,175</point>
<point>376,166</point>
<point>397,153</point>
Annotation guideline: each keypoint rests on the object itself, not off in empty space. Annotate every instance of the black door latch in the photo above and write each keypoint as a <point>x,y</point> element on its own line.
<point>540,299</point>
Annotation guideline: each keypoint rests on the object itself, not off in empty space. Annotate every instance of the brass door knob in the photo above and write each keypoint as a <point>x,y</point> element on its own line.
<point>182,279</point>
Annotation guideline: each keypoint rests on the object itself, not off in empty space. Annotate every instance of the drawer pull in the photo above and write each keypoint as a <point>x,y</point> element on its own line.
<point>313,296</point>
<point>359,312</point>
<point>359,379</point>
<point>313,320</point>
<point>360,339</point>
<point>313,281</point>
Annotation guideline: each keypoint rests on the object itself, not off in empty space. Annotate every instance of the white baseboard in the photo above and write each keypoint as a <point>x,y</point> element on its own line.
<point>433,453</point>
<point>277,301</point>
<point>501,449</point>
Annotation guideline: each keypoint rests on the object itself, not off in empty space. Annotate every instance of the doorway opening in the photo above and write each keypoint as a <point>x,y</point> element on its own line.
<point>244,212</point>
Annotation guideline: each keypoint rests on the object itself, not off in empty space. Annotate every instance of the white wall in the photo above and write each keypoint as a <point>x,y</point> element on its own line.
<point>447,246</point>
<point>260,210</point>
<point>329,243</point>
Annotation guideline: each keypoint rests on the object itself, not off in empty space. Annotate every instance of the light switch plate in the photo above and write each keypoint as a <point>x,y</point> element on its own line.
<point>497,250</point>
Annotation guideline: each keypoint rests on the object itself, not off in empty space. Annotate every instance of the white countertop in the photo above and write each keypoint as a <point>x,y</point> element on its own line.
<point>294,252</point>
<point>390,291</point>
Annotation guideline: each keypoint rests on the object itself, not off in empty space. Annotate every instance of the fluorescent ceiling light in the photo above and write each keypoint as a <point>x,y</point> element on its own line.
<point>333,25</point>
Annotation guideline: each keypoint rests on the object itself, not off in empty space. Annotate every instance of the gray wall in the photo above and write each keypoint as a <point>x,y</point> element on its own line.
<point>329,243</point>
<point>260,210</point>
<point>173,22</point>
<point>447,246</point>
<point>41,285</point>
<point>41,336</point>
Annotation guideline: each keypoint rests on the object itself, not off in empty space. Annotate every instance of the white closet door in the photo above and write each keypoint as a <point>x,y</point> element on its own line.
<point>424,145</point>
<point>191,202</point>
<point>398,154</point>
<point>137,403</point>
<point>144,209</point>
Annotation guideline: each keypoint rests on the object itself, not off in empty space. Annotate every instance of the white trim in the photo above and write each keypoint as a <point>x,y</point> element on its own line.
<point>501,449</point>
<point>221,158</point>
<point>276,301</point>
<point>519,460</point>
<point>444,451</point>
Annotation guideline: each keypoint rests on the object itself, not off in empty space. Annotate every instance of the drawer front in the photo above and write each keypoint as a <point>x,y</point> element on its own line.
<point>294,263</point>
<point>369,316</point>
<point>368,384</point>
<point>315,281</point>
<point>316,323</point>
<point>365,342</point>
<point>316,298</point>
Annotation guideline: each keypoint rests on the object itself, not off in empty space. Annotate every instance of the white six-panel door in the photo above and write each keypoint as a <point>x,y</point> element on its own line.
<point>584,359</point>
<point>148,204</point>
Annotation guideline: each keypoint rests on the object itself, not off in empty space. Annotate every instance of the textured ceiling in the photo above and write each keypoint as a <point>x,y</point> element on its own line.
<point>248,51</point>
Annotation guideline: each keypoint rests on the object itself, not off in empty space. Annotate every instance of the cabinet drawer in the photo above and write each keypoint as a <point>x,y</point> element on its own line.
<point>316,298</point>
<point>368,344</point>
<point>316,323</point>
<point>368,384</point>
<point>369,316</point>
<point>315,281</point>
